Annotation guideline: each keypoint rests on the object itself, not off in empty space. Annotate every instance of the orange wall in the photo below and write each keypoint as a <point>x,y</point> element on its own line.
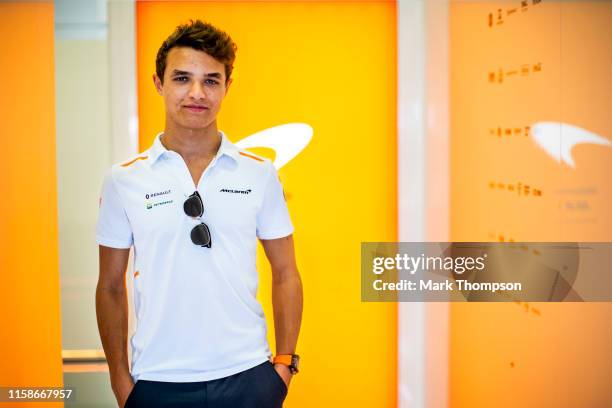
<point>30,338</point>
<point>331,65</point>
<point>540,354</point>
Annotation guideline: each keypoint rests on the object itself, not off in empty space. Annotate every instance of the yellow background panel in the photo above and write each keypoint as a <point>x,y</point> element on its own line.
<point>332,66</point>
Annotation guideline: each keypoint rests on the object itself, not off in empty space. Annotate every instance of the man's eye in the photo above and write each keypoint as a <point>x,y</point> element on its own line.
<point>180,79</point>
<point>211,82</point>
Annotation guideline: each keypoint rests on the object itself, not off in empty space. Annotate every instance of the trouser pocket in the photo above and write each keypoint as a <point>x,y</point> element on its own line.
<point>131,396</point>
<point>277,378</point>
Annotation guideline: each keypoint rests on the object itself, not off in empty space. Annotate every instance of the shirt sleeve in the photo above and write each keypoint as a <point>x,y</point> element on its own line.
<point>273,220</point>
<point>113,228</point>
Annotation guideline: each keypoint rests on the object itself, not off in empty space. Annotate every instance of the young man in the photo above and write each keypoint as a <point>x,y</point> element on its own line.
<point>193,206</point>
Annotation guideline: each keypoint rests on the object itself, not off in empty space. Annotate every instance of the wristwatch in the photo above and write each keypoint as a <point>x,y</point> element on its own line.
<point>290,360</point>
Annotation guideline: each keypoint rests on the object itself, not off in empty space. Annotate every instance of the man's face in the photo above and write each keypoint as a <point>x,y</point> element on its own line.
<point>193,89</point>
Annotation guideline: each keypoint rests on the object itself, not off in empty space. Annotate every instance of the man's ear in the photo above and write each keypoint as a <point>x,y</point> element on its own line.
<point>228,85</point>
<point>158,84</point>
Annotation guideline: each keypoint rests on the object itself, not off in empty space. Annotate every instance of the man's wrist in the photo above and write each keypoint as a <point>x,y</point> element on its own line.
<point>120,375</point>
<point>291,361</point>
<point>283,368</point>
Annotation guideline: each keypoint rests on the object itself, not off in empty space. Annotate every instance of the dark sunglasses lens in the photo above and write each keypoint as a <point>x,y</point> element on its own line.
<point>200,235</point>
<point>193,206</point>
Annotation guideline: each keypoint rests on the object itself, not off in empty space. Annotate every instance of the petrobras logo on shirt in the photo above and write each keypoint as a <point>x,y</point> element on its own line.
<point>157,204</point>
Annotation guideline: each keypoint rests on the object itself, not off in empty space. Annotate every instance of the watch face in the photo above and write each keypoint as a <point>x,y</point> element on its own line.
<point>295,362</point>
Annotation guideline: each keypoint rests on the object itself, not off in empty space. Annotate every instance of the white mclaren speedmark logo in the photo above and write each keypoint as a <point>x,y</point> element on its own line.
<point>558,139</point>
<point>286,140</point>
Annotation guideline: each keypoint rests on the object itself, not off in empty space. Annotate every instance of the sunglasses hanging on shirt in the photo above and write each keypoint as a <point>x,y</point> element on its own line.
<point>194,207</point>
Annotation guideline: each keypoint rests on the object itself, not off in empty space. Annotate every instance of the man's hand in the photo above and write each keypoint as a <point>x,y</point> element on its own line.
<point>284,372</point>
<point>122,387</point>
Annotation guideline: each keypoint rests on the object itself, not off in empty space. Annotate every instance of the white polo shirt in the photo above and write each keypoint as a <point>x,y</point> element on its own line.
<point>197,315</point>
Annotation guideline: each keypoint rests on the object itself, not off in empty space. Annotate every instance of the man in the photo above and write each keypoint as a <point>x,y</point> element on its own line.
<point>193,206</point>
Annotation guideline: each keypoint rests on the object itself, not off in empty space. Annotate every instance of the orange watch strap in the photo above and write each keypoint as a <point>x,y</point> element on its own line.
<point>284,359</point>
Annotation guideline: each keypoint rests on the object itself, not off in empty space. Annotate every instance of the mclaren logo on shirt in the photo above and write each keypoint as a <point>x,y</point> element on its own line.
<point>229,190</point>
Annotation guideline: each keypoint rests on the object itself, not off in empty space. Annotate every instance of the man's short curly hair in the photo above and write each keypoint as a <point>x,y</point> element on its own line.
<point>199,36</point>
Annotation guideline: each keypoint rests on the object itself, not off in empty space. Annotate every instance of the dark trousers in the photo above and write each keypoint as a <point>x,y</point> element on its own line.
<point>257,387</point>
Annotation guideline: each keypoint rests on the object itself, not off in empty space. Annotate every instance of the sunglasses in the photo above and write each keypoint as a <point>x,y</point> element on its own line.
<point>194,207</point>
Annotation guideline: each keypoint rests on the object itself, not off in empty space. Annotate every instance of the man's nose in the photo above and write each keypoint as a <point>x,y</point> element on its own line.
<point>197,90</point>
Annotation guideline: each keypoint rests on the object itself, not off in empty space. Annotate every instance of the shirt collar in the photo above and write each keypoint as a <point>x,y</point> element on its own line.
<point>227,148</point>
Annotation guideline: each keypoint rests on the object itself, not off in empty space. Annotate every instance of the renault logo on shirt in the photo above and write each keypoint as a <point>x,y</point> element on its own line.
<point>151,195</point>
<point>229,190</point>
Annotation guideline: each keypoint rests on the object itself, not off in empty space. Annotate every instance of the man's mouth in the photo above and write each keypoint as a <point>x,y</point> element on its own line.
<point>195,108</point>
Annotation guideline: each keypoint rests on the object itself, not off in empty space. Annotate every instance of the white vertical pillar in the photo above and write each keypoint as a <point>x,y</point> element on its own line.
<point>123,104</point>
<point>423,191</point>
<point>411,191</point>
<point>122,59</point>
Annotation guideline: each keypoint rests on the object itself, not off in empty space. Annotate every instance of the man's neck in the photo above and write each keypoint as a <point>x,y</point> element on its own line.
<point>192,144</point>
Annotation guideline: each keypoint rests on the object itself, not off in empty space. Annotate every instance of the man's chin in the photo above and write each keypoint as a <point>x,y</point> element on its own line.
<point>196,126</point>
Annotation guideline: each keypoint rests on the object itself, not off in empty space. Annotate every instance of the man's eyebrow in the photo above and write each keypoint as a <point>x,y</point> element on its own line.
<point>177,72</point>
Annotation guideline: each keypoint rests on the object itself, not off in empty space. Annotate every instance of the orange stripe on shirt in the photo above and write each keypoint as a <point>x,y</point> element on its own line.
<point>251,156</point>
<point>132,161</point>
